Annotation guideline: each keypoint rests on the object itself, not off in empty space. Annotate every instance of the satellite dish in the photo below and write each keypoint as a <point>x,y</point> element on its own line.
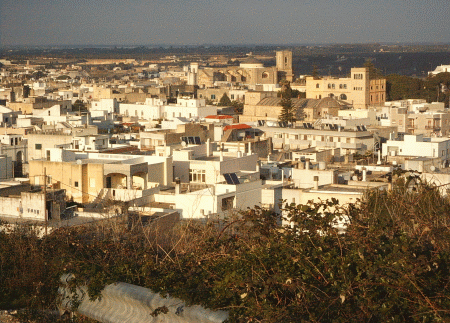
<point>432,168</point>
<point>286,147</point>
<point>183,143</point>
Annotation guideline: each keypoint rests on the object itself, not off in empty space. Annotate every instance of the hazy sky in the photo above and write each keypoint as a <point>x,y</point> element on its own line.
<point>175,22</point>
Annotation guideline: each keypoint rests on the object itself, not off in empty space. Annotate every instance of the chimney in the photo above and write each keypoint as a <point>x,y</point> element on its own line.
<point>316,182</point>
<point>177,186</point>
<point>364,174</point>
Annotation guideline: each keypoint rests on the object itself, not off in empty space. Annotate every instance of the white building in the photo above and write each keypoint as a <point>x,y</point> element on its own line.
<point>440,69</point>
<point>154,108</point>
<point>418,146</point>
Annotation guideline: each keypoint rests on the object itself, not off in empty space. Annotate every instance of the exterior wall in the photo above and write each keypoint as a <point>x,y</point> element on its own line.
<point>304,178</point>
<point>377,92</point>
<point>284,65</point>
<point>143,111</point>
<point>415,145</point>
<point>347,141</point>
<point>359,114</point>
<point>250,74</point>
<point>171,112</point>
<point>355,90</point>
<point>38,143</point>
<point>157,173</point>
<point>108,105</point>
<point>213,94</point>
<point>82,182</point>
<point>6,167</point>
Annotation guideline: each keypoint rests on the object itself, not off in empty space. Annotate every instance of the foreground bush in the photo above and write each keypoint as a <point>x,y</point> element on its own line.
<point>391,264</point>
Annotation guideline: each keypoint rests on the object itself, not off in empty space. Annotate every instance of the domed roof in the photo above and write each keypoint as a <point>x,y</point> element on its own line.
<point>251,62</point>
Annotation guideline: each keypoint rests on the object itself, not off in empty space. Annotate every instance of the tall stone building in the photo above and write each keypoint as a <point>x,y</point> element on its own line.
<point>284,65</point>
<point>358,89</point>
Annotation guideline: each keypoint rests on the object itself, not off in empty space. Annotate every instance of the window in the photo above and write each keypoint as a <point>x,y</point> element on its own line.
<point>38,146</point>
<point>213,96</point>
<point>358,76</point>
<point>343,97</point>
<point>232,96</point>
<point>227,203</point>
<point>317,85</point>
<point>76,184</point>
<point>197,175</point>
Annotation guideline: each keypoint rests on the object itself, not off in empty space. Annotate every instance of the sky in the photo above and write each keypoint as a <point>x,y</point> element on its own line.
<point>198,22</point>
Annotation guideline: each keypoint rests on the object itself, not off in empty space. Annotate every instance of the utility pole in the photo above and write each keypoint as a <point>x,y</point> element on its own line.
<point>45,200</point>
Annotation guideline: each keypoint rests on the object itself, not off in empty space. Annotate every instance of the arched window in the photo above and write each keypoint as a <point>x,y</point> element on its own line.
<point>343,97</point>
<point>317,85</point>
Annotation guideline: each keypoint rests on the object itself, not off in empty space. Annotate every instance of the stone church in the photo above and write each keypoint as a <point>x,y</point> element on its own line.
<point>250,72</point>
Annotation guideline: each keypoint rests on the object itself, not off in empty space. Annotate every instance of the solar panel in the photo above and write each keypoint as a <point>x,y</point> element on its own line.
<point>358,128</point>
<point>197,140</point>
<point>364,128</point>
<point>185,139</point>
<point>191,140</point>
<point>228,179</point>
<point>304,125</point>
<point>235,179</point>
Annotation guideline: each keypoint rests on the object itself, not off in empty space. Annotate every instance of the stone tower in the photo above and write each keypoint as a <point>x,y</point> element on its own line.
<point>284,65</point>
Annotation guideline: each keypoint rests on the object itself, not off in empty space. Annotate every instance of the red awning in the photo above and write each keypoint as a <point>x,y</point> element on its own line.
<point>237,126</point>
<point>219,117</point>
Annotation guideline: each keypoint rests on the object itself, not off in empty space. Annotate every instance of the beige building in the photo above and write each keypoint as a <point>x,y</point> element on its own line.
<point>427,123</point>
<point>101,174</point>
<point>266,106</point>
<point>358,89</point>
<point>250,72</point>
<point>28,105</point>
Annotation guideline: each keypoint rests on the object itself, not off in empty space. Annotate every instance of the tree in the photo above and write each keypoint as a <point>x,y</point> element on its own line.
<point>374,73</point>
<point>224,101</point>
<point>238,106</point>
<point>315,73</point>
<point>288,111</point>
<point>390,264</point>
